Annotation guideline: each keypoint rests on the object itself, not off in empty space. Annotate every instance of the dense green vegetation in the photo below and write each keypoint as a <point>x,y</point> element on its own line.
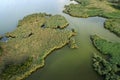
<point>108,48</point>
<point>88,8</point>
<point>115,1</point>
<point>109,67</point>
<point>113,25</point>
<point>56,21</point>
<point>14,69</point>
<point>30,43</point>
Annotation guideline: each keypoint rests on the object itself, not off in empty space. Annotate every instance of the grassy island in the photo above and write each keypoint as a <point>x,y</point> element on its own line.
<point>56,21</point>
<point>101,8</point>
<point>108,66</point>
<point>35,37</point>
<point>90,8</point>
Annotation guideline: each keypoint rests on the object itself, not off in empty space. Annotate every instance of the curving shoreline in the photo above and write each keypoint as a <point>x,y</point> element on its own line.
<point>31,40</point>
<point>39,66</point>
<point>107,66</point>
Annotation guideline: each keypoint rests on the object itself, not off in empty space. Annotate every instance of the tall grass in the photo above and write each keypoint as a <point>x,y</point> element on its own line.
<point>107,67</point>
<point>30,39</point>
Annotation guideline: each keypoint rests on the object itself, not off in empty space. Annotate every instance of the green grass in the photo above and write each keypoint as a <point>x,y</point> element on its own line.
<point>83,2</point>
<point>56,21</point>
<point>31,39</point>
<point>108,67</point>
<point>14,69</point>
<point>77,10</point>
<point>72,43</point>
<point>112,15</point>
<point>90,8</point>
<point>113,25</point>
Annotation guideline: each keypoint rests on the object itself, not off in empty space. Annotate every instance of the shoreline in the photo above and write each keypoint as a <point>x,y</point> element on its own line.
<point>34,42</point>
<point>106,66</point>
<point>43,61</point>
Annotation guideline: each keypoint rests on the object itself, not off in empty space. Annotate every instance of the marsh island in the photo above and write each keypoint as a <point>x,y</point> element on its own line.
<point>108,67</point>
<point>90,26</point>
<point>35,37</point>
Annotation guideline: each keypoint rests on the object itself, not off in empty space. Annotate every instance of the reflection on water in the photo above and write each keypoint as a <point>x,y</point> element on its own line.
<point>66,63</point>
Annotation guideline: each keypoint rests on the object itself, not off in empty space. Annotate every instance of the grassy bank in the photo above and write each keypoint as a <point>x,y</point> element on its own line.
<point>90,8</point>
<point>108,67</point>
<point>28,45</point>
<point>101,8</point>
<point>113,25</point>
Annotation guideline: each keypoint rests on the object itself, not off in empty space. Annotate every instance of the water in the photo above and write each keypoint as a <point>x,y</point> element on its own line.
<point>66,63</point>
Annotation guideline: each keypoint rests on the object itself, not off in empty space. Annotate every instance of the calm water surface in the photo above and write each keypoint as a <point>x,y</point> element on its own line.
<point>66,63</point>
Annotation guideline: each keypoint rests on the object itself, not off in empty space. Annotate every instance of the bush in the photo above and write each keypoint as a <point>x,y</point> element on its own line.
<point>106,66</point>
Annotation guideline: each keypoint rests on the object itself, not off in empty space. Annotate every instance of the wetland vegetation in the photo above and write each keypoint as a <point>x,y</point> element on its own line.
<point>113,25</point>
<point>37,35</point>
<point>0,37</point>
<point>30,43</point>
<point>109,65</point>
<point>90,8</point>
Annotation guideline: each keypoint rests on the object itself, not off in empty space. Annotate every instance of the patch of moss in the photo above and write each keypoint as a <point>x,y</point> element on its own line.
<point>30,39</point>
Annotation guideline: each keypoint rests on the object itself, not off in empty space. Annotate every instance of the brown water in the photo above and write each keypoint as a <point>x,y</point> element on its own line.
<point>66,63</point>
